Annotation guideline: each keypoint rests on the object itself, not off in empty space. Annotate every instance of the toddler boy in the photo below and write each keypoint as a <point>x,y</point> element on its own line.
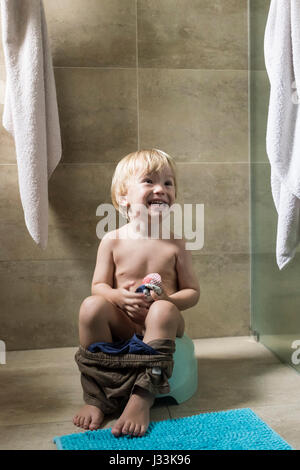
<point>114,311</point>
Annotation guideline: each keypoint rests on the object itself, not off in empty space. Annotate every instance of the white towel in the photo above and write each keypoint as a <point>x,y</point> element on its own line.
<point>30,108</point>
<point>282,58</point>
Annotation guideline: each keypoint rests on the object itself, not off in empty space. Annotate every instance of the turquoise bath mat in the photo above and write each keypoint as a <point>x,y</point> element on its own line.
<point>239,429</point>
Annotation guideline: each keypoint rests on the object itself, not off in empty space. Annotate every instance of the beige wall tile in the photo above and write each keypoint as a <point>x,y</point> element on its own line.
<point>40,302</point>
<point>92,33</point>
<point>7,144</point>
<point>10,206</point>
<point>224,305</point>
<point>1,44</point>
<point>15,240</point>
<point>2,77</point>
<point>196,115</point>
<point>195,34</point>
<point>72,218</point>
<point>224,191</point>
<point>98,113</point>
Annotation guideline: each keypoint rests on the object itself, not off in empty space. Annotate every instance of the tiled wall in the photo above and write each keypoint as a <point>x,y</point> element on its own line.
<point>132,74</point>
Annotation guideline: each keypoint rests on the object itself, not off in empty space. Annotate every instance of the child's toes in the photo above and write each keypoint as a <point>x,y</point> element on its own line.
<point>81,421</point>
<point>126,427</point>
<point>95,425</point>
<point>78,421</point>
<point>131,428</point>
<point>143,430</point>
<point>117,429</point>
<point>137,430</point>
<point>86,422</point>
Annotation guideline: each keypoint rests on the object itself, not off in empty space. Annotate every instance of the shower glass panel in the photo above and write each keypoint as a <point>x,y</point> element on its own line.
<point>275,294</point>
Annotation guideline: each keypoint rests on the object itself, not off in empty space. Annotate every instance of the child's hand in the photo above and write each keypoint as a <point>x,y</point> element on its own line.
<point>134,304</point>
<point>162,296</point>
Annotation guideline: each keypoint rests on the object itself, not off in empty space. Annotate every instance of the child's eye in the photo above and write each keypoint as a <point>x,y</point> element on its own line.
<point>169,182</point>
<point>146,180</point>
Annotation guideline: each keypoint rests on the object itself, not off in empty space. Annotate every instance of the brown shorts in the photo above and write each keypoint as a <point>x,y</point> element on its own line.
<point>109,380</point>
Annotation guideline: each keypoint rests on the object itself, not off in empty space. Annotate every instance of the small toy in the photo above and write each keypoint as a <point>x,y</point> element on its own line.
<point>151,282</point>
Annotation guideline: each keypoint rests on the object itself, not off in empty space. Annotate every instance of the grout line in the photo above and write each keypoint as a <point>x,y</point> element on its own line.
<point>250,175</point>
<point>137,76</point>
<point>177,163</point>
<point>92,68</point>
<point>33,424</point>
<point>38,260</point>
<point>201,69</point>
<point>24,260</point>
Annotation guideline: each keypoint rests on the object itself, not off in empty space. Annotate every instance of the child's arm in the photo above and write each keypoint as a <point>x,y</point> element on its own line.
<point>188,284</point>
<point>104,271</point>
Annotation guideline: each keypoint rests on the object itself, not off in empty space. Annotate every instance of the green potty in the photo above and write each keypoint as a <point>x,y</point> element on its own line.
<point>184,379</point>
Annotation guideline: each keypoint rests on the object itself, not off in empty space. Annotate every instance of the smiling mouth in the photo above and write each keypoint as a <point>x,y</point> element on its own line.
<point>158,203</point>
<point>158,208</point>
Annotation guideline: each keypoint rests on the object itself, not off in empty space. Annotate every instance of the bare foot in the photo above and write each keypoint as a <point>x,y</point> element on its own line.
<point>136,415</point>
<point>89,417</point>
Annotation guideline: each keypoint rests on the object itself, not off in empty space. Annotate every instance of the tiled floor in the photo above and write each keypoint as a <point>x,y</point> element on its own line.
<point>40,391</point>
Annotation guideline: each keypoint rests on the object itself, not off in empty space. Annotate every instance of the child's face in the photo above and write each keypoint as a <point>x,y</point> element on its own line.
<point>145,188</point>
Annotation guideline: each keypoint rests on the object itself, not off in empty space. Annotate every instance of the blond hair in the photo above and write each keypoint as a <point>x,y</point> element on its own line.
<point>138,163</point>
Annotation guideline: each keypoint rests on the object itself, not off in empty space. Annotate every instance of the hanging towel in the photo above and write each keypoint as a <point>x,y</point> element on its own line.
<point>30,108</point>
<point>282,59</point>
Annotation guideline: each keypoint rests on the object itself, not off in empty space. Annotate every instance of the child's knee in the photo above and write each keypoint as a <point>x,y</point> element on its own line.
<point>92,308</point>
<point>163,312</point>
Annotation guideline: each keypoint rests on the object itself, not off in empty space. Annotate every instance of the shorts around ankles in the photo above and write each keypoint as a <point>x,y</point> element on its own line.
<point>108,379</point>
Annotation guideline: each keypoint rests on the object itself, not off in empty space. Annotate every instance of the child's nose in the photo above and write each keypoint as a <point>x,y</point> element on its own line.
<point>159,187</point>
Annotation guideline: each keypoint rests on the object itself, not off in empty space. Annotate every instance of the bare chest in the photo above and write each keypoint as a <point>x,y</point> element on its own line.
<point>135,258</point>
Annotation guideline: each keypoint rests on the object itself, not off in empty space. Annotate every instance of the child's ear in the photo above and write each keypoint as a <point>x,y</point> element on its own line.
<point>123,201</point>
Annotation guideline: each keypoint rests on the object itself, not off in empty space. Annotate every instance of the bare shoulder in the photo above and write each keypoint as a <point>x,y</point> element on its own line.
<point>107,243</point>
<point>104,269</point>
<point>112,237</point>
